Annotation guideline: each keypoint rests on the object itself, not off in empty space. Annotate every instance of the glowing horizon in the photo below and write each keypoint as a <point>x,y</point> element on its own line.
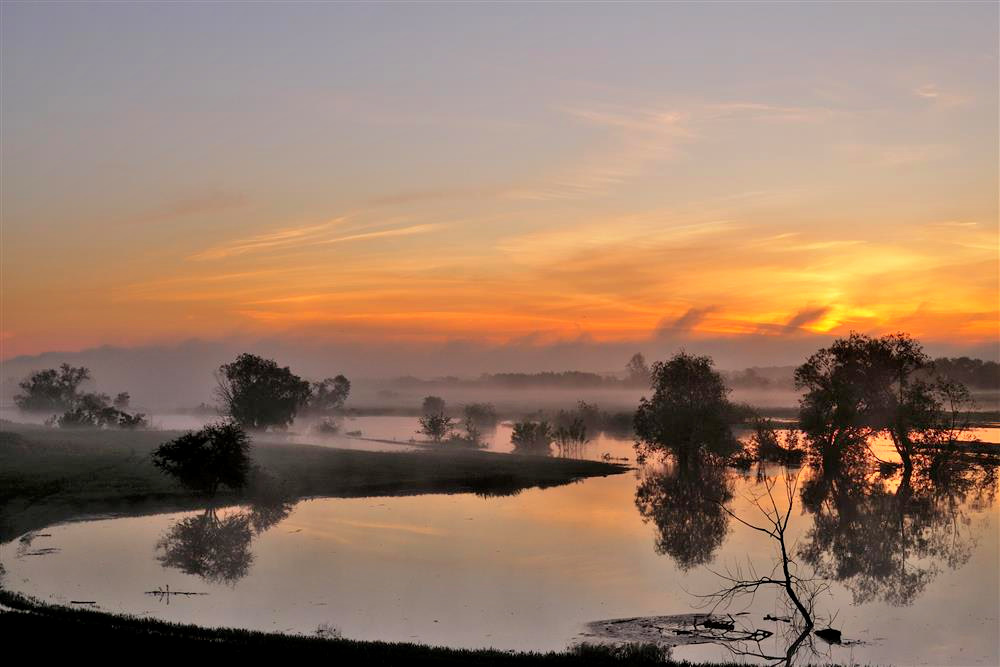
<point>497,174</point>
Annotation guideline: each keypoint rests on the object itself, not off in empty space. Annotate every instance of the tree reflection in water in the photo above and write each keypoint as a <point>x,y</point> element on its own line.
<point>215,545</point>
<point>686,506</point>
<point>886,537</point>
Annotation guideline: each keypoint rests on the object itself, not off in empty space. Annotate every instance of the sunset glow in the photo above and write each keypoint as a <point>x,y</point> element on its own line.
<point>518,179</point>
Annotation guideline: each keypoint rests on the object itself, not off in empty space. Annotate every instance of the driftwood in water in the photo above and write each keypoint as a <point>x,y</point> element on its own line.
<point>675,630</point>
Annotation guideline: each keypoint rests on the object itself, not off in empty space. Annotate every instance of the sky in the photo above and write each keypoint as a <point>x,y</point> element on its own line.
<point>497,174</point>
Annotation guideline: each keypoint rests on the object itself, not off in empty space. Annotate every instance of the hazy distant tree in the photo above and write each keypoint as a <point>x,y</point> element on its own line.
<point>689,413</point>
<point>204,460</point>
<point>122,400</point>
<point>637,371</point>
<point>433,405</point>
<point>530,437</point>
<point>970,372</point>
<point>436,426</point>
<point>51,390</point>
<point>862,386</point>
<point>571,437</point>
<point>94,410</point>
<point>330,394</point>
<point>483,415</point>
<point>257,393</point>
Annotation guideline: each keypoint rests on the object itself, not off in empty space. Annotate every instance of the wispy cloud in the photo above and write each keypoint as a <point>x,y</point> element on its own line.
<point>281,238</point>
<point>399,231</point>
<point>206,202</point>
<point>690,319</point>
<point>772,112</point>
<point>308,235</point>
<point>805,316</point>
<point>939,97</point>
<point>644,136</point>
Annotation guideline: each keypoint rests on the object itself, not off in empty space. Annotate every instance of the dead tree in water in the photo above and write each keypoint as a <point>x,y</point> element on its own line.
<point>801,593</point>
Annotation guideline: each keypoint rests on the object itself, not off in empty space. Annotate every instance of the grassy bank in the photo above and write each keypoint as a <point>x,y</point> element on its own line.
<point>93,633</point>
<point>50,475</point>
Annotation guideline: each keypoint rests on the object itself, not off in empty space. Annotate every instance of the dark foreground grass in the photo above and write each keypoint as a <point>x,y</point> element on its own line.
<point>51,475</point>
<point>92,633</point>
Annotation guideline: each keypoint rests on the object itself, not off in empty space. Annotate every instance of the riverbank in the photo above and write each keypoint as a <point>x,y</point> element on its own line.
<point>95,633</point>
<point>52,475</point>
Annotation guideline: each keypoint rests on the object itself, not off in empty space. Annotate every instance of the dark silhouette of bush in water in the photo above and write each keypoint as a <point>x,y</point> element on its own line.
<point>204,460</point>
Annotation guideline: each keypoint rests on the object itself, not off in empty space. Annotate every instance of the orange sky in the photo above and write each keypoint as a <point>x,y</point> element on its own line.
<point>437,185</point>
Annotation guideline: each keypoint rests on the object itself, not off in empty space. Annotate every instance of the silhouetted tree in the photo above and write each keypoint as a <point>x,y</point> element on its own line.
<point>257,393</point>
<point>689,413</point>
<point>204,460</point>
<point>637,371</point>
<point>51,390</point>
<point>329,395</point>
<point>862,386</point>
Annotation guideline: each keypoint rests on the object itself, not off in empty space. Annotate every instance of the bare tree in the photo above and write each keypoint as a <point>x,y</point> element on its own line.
<point>800,593</point>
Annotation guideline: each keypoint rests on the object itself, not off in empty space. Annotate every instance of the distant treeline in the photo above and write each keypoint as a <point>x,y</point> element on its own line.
<point>574,379</point>
<point>970,372</point>
<point>973,373</point>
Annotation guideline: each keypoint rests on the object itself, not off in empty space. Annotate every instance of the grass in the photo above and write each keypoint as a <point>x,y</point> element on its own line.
<point>51,475</point>
<point>92,632</point>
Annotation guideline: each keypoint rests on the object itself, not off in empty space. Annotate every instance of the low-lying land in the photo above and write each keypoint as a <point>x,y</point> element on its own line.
<point>50,475</point>
<point>95,632</point>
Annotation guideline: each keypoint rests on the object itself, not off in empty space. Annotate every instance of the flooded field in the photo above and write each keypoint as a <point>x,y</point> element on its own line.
<point>530,571</point>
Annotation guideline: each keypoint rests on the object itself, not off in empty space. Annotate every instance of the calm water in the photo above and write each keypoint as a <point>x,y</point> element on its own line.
<point>913,569</point>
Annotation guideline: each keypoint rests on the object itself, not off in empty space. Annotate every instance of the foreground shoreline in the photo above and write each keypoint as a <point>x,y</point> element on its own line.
<point>89,631</point>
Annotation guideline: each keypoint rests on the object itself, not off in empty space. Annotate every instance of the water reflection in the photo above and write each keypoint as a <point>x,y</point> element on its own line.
<point>686,506</point>
<point>215,545</point>
<point>885,537</point>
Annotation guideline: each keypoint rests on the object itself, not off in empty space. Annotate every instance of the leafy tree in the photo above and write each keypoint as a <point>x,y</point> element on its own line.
<point>637,371</point>
<point>862,386</point>
<point>51,390</point>
<point>329,395</point>
<point>204,460</point>
<point>257,393</point>
<point>689,413</point>
<point>433,405</point>
<point>436,426</point>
